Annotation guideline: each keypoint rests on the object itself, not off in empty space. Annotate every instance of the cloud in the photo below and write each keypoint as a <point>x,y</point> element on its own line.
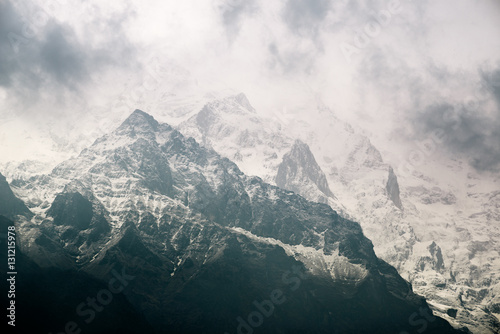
<point>492,81</point>
<point>45,54</point>
<point>232,13</point>
<point>61,57</point>
<point>304,17</point>
<point>95,53</point>
<point>292,62</point>
<point>470,129</point>
<point>8,23</point>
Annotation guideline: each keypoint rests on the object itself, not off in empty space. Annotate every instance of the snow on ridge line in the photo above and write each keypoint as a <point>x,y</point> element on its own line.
<point>337,266</point>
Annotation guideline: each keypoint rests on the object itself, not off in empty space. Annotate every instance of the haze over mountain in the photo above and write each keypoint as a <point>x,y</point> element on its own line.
<point>386,111</point>
<point>419,221</point>
<point>413,68</point>
<point>207,244</point>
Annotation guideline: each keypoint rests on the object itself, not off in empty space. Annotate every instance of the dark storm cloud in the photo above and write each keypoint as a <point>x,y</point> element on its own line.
<point>8,23</point>
<point>492,80</point>
<point>62,57</point>
<point>469,125</point>
<point>304,17</point>
<point>467,129</point>
<point>48,54</point>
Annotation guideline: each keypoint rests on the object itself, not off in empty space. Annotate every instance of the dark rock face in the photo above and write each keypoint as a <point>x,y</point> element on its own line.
<point>76,220</point>
<point>47,300</point>
<point>71,209</point>
<point>227,252</point>
<point>209,296</point>
<point>299,171</point>
<point>10,205</point>
<point>452,312</point>
<point>392,188</point>
<point>437,256</point>
<point>434,261</point>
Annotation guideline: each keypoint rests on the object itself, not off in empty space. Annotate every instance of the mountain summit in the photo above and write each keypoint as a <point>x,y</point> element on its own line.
<point>138,121</point>
<point>210,249</point>
<point>299,172</point>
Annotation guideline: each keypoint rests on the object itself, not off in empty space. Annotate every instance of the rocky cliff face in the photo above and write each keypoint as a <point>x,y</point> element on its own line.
<point>260,146</point>
<point>210,249</point>
<point>10,205</point>
<point>299,172</point>
<point>392,188</point>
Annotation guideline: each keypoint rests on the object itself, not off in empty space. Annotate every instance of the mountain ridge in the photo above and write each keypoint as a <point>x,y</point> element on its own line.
<point>213,219</point>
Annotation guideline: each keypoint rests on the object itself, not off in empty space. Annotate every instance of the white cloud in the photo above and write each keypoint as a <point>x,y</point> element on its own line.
<point>279,53</point>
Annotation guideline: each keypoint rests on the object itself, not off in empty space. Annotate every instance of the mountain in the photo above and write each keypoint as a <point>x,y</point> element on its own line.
<point>299,172</point>
<point>233,128</point>
<point>198,246</point>
<point>405,207</point>
<point>10,205</point>
<point>40,291</point>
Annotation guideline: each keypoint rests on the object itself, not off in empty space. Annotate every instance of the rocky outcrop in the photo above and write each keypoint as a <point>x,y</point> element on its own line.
<point>10,205</point>
<point>299,172</point>
<point>392,188</point>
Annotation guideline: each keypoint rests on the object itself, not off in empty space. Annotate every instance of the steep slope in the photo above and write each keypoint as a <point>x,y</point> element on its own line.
<point>231,126</point>
<point>258,145</point>
<point>445,202</point>
<point>461,210</point>
<point>41,291</point>
<point>403,209</point>
<point>212,249</point>
<point>299,172</point>
<point>10,205</point>
<point>392,188</point>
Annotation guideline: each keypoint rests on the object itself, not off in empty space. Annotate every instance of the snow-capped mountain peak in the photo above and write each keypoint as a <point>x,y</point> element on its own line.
<point>196,220</point>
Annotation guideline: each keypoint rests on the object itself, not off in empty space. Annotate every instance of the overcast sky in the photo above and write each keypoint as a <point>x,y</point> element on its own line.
<point>395,68</point>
